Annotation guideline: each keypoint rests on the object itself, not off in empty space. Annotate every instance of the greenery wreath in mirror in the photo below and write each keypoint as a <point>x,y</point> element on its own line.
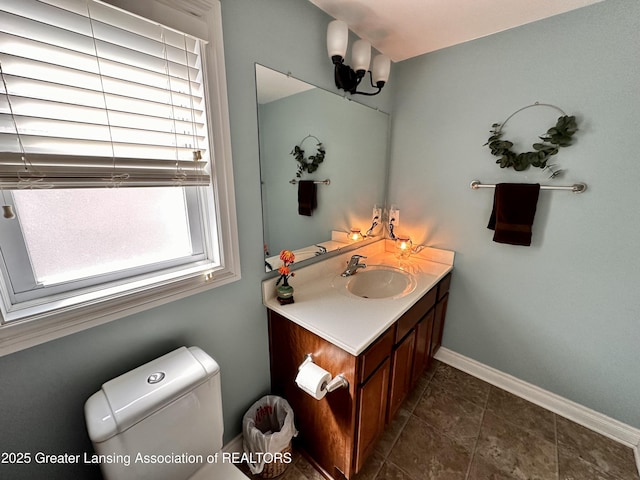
<point>556,137</point>
<point>308,164</point>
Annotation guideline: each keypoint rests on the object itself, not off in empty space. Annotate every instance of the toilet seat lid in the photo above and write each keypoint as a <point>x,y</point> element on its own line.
<point>125,400</point>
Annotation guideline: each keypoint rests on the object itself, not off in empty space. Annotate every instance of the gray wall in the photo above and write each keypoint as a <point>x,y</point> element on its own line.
<point>563,314</point>
<point>43,389</point>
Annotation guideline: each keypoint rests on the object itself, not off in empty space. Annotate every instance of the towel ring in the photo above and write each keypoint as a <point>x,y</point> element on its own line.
<point>311,163</point>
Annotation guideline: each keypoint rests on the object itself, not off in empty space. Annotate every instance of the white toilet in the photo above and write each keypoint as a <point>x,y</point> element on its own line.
<point>160,421</point>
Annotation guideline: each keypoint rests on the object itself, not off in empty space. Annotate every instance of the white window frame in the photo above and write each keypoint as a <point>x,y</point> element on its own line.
<point>125,300</point>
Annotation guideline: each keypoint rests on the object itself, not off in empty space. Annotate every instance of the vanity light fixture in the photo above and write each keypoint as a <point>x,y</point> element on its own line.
<point>348,78</point>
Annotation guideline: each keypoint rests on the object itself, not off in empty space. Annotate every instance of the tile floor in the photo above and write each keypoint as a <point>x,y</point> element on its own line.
<point>457,427</point>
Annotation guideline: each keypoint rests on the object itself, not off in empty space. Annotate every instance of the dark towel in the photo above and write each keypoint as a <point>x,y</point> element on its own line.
<point>307,200</point>
<point>514,206</point>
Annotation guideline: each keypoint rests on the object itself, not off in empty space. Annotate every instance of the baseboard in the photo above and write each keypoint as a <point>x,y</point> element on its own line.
<point>584,416</point>
<point>235,445</point>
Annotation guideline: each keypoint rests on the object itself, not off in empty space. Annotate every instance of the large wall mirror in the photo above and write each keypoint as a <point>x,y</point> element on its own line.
<point>355,138</point>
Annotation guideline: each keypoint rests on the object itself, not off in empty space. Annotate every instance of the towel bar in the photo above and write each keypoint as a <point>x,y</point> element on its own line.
<point>323,182</point>
<point>575,188</point>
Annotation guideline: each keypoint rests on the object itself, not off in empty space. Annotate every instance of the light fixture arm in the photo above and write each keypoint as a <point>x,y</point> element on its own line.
<point>378,86</point>
<point>348,80</point>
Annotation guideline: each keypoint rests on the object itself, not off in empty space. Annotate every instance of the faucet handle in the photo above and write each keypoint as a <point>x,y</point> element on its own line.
<point>353,264</point>
<point>355,259</point>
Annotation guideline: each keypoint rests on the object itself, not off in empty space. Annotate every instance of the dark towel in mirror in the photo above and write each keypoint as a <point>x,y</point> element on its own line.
<point>514,207</point>
<point>307,197</point>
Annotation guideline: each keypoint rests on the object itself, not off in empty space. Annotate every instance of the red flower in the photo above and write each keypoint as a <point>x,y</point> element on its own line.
<point>287,256</point>
<point>284,270</point>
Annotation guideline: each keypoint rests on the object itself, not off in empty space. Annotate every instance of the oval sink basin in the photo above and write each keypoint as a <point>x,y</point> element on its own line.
<point>381,281</point>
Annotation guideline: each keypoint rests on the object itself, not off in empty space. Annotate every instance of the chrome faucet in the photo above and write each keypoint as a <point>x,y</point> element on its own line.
<point>354,265</point>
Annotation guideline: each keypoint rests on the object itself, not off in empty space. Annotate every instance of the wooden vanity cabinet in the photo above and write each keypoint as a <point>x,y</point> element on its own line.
<point>440,312</point>
<point>339,432</point>
<point>326,427</point>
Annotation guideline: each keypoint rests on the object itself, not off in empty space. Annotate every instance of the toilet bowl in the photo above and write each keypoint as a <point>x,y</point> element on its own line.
<point>161,421</point>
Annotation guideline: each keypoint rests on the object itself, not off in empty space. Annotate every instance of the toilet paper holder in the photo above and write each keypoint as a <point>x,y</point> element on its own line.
<point>335,383</point>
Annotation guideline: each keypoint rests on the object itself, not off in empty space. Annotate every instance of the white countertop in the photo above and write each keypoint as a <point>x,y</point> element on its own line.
<point>350,322</point>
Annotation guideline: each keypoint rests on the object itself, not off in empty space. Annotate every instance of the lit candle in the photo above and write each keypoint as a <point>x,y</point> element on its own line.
<point>403,246</point>
<point>355,235</point>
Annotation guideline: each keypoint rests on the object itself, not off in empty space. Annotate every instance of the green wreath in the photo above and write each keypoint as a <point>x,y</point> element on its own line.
<point>311,163</point>
<point>556,137</point>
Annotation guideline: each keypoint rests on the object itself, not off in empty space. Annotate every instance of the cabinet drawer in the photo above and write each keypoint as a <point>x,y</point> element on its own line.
<point>376,354</point>
<point>443,286</point>
<point>415,313</point>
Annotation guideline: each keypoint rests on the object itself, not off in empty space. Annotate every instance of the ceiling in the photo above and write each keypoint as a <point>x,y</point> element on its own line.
<point>402,29</point>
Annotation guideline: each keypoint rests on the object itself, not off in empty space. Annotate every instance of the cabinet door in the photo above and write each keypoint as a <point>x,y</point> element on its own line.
<point>424,330</point>
<point>401,363</point>
<point>372,407</point>
<point>438,326</point>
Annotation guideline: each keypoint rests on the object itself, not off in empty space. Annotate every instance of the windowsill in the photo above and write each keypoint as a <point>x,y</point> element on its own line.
<point>43,327</point>
<point>37,327</point>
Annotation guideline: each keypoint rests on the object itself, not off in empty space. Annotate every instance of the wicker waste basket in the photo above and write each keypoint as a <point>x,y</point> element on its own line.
<point>267,430</point>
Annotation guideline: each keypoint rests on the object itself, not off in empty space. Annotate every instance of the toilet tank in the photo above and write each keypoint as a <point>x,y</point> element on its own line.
<point>159,421</point>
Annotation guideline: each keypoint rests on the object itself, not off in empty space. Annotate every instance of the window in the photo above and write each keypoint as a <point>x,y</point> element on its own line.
<point>106,158</point>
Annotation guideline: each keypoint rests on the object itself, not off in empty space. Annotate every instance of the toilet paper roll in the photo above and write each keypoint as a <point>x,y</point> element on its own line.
<point>313,379</point>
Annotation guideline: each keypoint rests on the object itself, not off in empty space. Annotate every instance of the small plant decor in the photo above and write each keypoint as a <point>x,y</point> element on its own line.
<point>308,164</point>
<point>285,291</point>
<point>287,258</point>
<point>556,137</point>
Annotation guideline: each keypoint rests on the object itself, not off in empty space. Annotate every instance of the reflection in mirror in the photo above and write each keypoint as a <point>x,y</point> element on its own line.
<point>355,139</point>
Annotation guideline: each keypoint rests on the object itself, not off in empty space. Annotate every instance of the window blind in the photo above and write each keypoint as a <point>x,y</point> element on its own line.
<point>92,95</point>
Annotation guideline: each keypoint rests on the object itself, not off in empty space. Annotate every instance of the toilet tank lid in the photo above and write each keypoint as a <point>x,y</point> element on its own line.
<point>127,399</point>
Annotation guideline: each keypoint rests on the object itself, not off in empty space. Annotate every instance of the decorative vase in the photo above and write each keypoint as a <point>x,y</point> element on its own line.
<point>284,294</point>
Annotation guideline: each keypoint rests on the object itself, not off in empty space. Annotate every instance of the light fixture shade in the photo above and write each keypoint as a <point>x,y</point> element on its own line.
<point>381,69</point>
<point>361,56</point>
<point>337,39</point>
